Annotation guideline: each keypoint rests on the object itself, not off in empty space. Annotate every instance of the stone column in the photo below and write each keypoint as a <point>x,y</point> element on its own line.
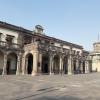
<point>81,66</point>
<point>60,65</point>
<point>77,66</point>
<point>35,60</point>
<point>23,66</point>
<point>18,64</point>
<point>70,64</point>
<point>51,64</point>
<point>86,66</point>
<point>4,72</point>
<point>26,65</point>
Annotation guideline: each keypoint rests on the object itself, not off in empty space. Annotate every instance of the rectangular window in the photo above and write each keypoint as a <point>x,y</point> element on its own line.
<point>0,36</point>
<point>9,39</point>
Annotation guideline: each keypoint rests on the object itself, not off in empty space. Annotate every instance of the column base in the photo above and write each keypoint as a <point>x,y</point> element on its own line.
<point>23,73</point>
<point>69,73</point>
<point>4,73</point>
<point>86,72</point>
<point>17,73</point>
<point>34,73</point>
<point>51,73</point>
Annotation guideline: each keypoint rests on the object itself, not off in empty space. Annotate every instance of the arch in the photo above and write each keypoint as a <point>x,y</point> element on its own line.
<point>65,65</point>
<point>45,63</point>
<point>56,66</point>
<point>29,63</point>
<point>74,67</point>
<point>11,63</point>
<point>1,61</point>
<point>83,66</point>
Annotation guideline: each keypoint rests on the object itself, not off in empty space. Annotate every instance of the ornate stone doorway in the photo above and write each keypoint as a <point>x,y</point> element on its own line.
<point>45,64</point>
<point>29,63</point>
<point>11,63</point>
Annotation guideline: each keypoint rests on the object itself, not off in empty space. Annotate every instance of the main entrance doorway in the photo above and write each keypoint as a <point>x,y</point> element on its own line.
<point>29,62</point>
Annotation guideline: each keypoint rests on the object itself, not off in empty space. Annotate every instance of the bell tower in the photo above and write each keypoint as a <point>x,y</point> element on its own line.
<point>96,45</point>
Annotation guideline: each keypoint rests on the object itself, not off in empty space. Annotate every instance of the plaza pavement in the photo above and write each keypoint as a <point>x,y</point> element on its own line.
<point>54,87</point>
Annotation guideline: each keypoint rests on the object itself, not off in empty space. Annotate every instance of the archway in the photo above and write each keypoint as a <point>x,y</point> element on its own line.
<point>65,65</point>
<point>56,66</point>
<point>45,64</point>
<point>74,65</point>
<point>84,67</point>
<point>11,63</point>
<point>29,63</point>
<point>1,61</point>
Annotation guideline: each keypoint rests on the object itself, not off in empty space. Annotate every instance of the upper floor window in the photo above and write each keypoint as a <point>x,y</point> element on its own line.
<point>27,39</point>
<point>0,36</point>
<point>74,52</point>
<point>9,39</point>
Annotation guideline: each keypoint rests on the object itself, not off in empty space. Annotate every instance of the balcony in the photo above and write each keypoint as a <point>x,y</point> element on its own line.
<point>9,46</point>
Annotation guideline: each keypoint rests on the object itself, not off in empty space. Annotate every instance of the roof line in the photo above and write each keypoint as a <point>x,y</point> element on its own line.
<point>21,29</point>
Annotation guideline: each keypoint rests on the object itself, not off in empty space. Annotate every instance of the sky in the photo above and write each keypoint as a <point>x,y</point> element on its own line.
<point>75,21</point>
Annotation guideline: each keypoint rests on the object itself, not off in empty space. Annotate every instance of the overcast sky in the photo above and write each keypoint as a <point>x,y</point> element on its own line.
<point>76,21</point>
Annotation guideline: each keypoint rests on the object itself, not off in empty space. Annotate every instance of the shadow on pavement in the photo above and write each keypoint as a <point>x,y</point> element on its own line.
<point>62,98</point>
<point>54,98</point>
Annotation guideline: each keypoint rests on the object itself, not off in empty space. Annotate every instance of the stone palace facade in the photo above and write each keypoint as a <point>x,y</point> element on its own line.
<point>32,52</point>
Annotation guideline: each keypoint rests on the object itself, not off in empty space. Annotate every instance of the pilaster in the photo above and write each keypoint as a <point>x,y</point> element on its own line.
<point>35,60</point>
<point>77,66</point>
<point>70,63</point>
<point>81,67</point>
<point>51,63</point>
<point>61,64</point>
<point>4,72</point>
<point>86,66</point>
<point>23,65</point>
<point>18,64</point>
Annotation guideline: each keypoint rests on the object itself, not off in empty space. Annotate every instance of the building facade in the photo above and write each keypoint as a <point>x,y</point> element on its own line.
<point>32,52</point>
<point>95,57</point>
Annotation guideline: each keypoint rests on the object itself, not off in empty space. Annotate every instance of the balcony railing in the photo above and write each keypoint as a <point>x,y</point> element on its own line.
<point>11,46</point>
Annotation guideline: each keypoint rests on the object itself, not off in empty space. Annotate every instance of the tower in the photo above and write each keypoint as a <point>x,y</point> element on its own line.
<point>39,29</point>
<point>95,55</point>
